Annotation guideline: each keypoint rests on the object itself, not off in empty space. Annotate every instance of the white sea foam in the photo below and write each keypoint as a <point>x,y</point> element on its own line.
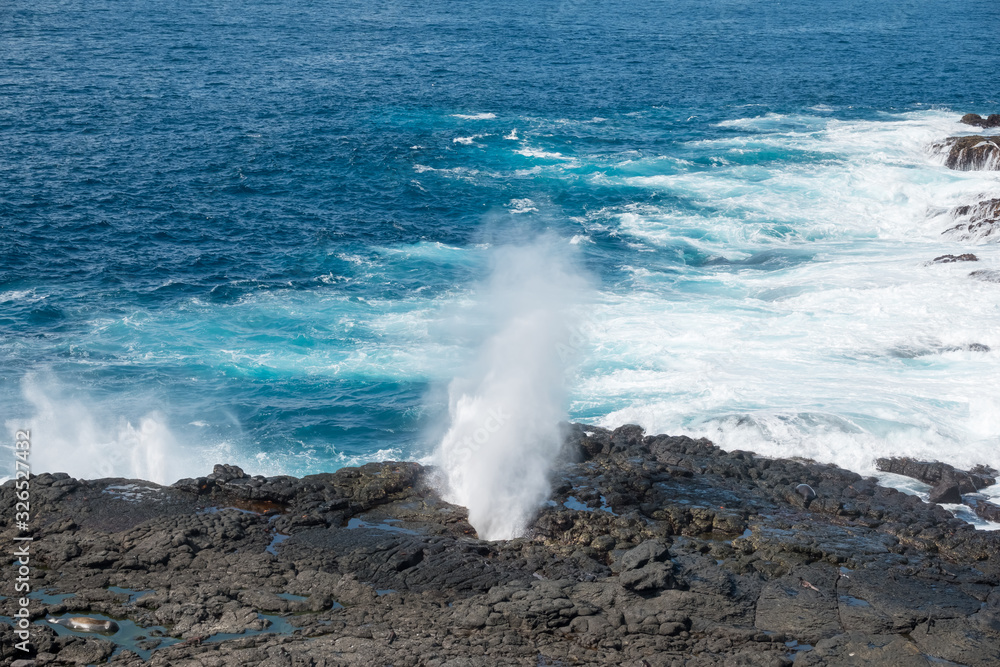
<point>68,435</point>
<point>468,141</point>
<point>522,206</point>
<point>474,116</point>
<point>17,295</point>
<point>822,330</point>
<point>541,154</point>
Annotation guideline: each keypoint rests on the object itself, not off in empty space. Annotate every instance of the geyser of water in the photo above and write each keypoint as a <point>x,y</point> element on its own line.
<point>71,436</point>
<point>505,411</point>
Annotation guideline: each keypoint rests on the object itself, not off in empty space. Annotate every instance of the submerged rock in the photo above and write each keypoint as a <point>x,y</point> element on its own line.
<point>948,259</point>
<point>971,153</point>
<point>986,275</point>
<point>979,221</point>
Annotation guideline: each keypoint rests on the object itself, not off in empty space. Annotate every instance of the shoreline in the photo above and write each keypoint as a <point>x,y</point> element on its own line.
<point>654,550</point>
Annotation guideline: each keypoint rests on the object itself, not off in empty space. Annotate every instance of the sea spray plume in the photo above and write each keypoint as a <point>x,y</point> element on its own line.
<point>504,432</point>
<point>71,436</point>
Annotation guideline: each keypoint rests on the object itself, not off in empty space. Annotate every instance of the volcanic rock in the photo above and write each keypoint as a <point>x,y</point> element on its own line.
<point>948,259</point>
<point>671,552</point>
<point>980,221</point>
<point>974,119</point>
<point>972,153</point>
<point>937,473</point>
<point>946,492</point>
<point>983,508</point>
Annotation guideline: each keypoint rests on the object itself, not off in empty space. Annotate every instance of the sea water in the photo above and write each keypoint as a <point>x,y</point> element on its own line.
<point>264,234</point>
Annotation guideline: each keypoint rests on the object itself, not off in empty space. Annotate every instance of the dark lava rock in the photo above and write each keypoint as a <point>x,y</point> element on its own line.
<point>674,552</point>
<point>974,119</point>
<point>646,567</point>
<point>946,492</point>
<point>979,221</point>
<point>948,259</point>
<point>936,473</point>
<point>983,508</point>
<point>224,473</point>
<point>971,153</point>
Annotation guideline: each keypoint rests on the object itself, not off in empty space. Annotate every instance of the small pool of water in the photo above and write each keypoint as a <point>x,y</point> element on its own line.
<point>355,523</point>
<point>272,548</point>
<point>133,595</point>
<point>278,625</point>
<point>45,597</point>
<point>852,601</point>
<point>129,635</point>
<point>797,647</point>
<point>572,503</point>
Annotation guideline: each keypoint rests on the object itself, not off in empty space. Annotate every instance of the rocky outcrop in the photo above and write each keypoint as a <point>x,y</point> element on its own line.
<point>935,473</point>
<point>950,259</point>
<point>979,221</point>
<point>951,485</point>
<point>652,550</point>
<point>971,153</point>
<point>974,119</point>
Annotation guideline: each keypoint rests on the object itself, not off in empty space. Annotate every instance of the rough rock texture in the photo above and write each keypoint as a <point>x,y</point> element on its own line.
<point>936,473</point>
<point>971,153</point>
<point>950,259</point>
<point>951,485</point>
<point>974,119</point>
<point>684,555</point>
<point>946,492</point>
<point>978,222</point>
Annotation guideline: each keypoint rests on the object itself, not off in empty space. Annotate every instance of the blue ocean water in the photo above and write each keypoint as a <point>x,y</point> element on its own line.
<point>245,231</point>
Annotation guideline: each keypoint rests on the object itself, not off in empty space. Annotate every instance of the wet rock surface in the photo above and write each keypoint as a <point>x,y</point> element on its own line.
<point>974,119</point>
<point>971,153</point>
<point>652,550</point>
<point>978,222</point>
<point>951,259</point>
<point>986,275</point>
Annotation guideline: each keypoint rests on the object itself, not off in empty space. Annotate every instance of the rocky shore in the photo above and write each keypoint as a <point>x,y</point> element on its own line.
<point>652,550</point>
<point>979,221</point>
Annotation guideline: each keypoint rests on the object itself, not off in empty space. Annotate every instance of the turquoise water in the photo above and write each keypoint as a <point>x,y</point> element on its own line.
<point>257,234</point>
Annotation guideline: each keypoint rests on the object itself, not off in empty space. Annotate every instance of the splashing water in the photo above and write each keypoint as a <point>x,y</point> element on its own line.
<point>73,437</point>
<point>505,411</point>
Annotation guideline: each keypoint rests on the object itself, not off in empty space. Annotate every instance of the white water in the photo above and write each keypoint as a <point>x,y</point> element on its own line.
<point>861,351</point>
<point>855,348</point>
<point>68,436</point>
<point>505,407</point>
<point>88,440</point>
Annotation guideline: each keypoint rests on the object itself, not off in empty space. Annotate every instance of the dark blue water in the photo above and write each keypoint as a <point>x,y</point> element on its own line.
<point>236,229</point>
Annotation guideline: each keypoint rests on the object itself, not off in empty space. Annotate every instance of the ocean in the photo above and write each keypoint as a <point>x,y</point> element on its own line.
<point>284,235</point>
